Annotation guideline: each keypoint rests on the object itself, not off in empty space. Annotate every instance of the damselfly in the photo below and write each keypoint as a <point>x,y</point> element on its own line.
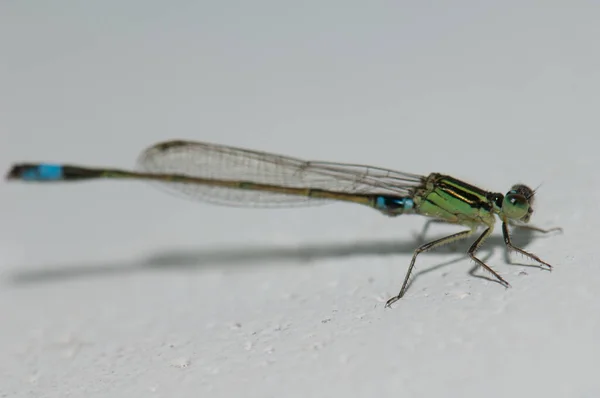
<point>240,177</point>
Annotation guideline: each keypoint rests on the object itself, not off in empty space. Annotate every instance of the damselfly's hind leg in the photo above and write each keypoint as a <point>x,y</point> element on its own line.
<point>424,248</point>
<point>532,256</point>
<point>421,236</point>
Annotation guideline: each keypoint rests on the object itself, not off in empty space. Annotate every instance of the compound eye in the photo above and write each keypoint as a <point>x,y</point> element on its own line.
<point>515,206</point>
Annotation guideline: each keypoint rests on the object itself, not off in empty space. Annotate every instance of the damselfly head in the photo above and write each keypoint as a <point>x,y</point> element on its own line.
<point>518,203</point>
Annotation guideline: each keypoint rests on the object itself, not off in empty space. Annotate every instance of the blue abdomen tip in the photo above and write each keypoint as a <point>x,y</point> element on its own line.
<point>43,172</point>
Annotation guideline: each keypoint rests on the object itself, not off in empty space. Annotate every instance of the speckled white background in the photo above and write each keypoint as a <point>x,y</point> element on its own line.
<point>112,289</point>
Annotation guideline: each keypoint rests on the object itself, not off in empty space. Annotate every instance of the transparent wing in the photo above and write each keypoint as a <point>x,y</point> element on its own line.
<point>220,162</point>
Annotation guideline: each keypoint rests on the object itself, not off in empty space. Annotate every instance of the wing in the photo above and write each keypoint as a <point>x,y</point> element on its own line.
<point>221,162</point>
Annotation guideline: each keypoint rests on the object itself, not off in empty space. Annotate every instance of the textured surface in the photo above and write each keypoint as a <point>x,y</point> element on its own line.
<point>112,289</point>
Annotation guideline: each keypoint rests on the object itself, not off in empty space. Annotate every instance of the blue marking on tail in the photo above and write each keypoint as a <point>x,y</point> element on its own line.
<point>43,172</point>
<point>393,203</point>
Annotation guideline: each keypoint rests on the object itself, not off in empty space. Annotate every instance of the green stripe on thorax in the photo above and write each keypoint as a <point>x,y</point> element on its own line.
<point>453,200</point>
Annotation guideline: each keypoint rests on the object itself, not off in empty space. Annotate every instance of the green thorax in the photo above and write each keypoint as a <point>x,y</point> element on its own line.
<point>452,200</point>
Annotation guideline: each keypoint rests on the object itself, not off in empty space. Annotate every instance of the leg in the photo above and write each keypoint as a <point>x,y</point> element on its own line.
<point>536,229</point>
<point>428,223</point>
<point>510,246</point>
<point>424,248</point>
<point>476,246</point>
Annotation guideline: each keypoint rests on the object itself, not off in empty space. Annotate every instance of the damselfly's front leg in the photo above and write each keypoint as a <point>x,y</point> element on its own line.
<point>536,229</point>
<point>510,246</point>
<point>424,248</point>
